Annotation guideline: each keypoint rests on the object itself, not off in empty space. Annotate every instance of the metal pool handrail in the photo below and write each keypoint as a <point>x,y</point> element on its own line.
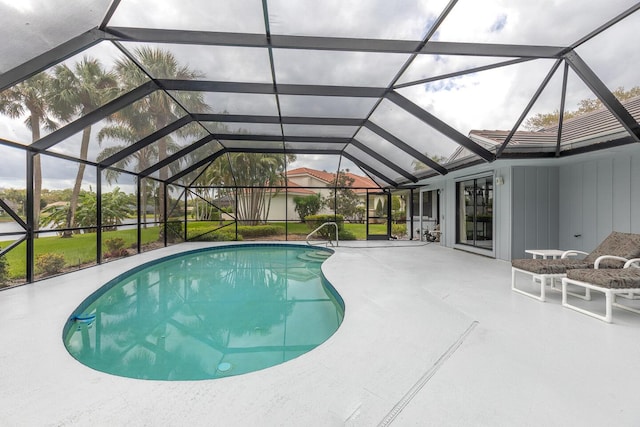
<point>319,228</point>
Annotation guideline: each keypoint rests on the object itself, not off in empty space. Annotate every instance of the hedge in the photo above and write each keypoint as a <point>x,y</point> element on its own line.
<point>260,230</point>
<point>215,236</point>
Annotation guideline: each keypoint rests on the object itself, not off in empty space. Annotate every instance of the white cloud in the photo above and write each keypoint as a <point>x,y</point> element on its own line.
<point>200,15</point>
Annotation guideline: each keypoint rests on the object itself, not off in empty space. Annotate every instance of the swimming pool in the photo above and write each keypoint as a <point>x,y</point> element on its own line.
<point>208,313</point>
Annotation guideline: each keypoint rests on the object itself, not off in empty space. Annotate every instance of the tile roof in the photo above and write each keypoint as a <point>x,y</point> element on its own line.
<point>358,180</point>
<point>594,127</point>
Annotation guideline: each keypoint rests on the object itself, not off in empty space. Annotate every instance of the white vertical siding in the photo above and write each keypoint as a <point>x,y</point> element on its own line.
<point>602,195</point>
<point>534,208</point>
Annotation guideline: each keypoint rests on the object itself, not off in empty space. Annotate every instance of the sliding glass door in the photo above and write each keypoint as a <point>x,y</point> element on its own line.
<point>474,200</point>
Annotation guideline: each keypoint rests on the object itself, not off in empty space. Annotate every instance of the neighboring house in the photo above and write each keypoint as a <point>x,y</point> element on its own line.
<point>305,182</point>
<point>503,207</point>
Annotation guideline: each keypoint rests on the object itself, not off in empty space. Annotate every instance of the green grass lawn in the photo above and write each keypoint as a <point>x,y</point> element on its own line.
<point>359,230</point>
<point>77,250</point>
<point>81,248</point>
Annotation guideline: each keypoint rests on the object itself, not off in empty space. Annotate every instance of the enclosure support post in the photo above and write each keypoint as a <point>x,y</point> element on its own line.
<point>389,217</point>
<point>30,217</point>
<point>366,216</point>
<point>236,212</point>
<point>99,215</point>
<point>186,218</point>
<point>164,212</point>
<point>138,203</point>
<point>411,195</point>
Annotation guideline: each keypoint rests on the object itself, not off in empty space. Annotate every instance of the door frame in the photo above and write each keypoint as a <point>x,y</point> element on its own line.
<point>387,195</point>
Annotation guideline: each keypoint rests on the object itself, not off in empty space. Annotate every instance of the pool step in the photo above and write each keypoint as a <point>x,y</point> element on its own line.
<point>315,256</point>
<point>299,274</point>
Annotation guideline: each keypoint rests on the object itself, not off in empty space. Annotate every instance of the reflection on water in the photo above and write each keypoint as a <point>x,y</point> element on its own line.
<point>209,314</point>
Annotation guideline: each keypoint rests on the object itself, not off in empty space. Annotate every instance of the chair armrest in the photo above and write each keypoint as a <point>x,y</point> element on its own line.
<point>603,257</point>
<point>631,262</point>
<point>573,252</point>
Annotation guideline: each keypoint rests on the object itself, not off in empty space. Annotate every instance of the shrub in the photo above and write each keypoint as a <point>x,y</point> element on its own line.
<point>399,230</point>
<point>260,230</point>
<point>49,264</point>
<point>329,232</point>
<point>174,231</point>
<point>115,247</point>
<point>307,205</point>
<point>346,235</point>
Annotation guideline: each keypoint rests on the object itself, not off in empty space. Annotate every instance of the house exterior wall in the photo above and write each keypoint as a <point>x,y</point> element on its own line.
<point>597,196</point>
<point>568,203</point>
<point>279,208</point>
<point>534,209</point>
<point>284,208</point>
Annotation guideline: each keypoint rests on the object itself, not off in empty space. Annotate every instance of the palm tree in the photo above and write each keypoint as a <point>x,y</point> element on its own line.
<point>156,110</point>
<point>32,97</point>
<point>130,128</point>
<point>78,92</point>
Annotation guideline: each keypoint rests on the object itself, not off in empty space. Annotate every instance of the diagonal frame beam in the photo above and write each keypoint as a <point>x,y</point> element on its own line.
<point>463,72</point>
<point>206,160</point>
<point>405,147</point>
<point>177,155</point>
<point>367,167</point>
<point>603,93</point>
<point>388,163</point>
<point>440,126</point>
<point>95,116</point>
<point>51,57</point>
<point>530,105</point>
<point>150,139</point>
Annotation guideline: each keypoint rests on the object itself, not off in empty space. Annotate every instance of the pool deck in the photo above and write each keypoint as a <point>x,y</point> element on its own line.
<point>431,337</point>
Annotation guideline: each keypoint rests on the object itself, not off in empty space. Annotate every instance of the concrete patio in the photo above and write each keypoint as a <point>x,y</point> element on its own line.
<point>431,336</point>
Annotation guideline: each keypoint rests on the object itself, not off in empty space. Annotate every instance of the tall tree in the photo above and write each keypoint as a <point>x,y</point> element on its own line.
<point>32,97</point>
<point>346,201</point>
<point>153,112</point>
<point>78,92</point>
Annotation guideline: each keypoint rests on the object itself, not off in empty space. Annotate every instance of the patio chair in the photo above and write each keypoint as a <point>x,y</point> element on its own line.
<point>612,283</point>
<point>612,252</point>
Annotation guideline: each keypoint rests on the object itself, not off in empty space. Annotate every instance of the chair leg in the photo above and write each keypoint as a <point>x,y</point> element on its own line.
<point>610,298</point>
<point>565,303</point>
<point>534,279</point>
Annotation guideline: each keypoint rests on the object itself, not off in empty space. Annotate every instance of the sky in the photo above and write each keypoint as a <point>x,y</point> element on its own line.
<point>491,99</point>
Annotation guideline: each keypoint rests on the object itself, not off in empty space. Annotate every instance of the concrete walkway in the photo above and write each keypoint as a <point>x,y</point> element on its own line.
<point>431,337</point>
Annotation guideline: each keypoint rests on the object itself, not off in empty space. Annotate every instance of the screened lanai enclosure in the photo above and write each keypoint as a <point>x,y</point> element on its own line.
<point>127,125</point>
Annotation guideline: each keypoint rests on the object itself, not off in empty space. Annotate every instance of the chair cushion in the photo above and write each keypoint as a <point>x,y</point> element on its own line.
<point>617,278</point>
<point>626,245</point>
<point>550,266</point>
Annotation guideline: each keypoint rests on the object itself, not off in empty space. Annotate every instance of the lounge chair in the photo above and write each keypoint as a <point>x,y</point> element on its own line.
<point>613,252</point>
<point>611,282</point>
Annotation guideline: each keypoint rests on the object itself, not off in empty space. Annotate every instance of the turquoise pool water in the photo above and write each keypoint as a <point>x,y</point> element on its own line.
<point>207,314</point>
